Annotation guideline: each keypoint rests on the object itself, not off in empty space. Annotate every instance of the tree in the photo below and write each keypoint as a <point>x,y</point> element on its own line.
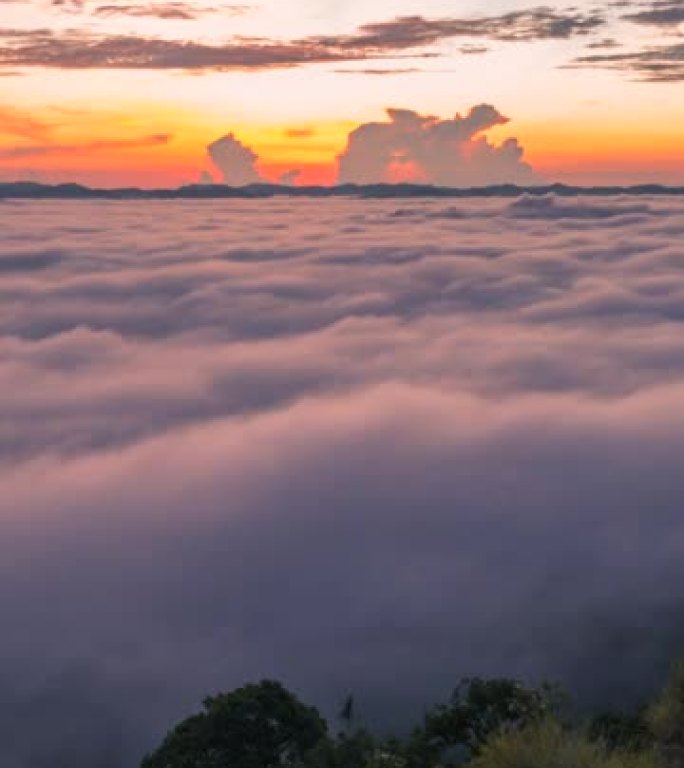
<point>478,709</point>
<point>666,719</point>
<point>348,750</point>
<point>258,726</point>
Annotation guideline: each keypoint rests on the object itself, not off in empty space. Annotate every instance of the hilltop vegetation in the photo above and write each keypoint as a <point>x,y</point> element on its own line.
<point>497,723</point>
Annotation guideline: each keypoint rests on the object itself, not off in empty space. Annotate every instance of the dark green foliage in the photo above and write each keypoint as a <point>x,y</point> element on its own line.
<point>347,751</point>
<point>258,726</point>
<point>666,719</point>
<point>478,709</point>
<point>622,731</point>
<point>497,723</point>
<point>357,750</point>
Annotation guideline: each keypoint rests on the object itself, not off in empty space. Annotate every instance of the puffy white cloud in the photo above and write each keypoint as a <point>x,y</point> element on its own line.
<point>412,147</point>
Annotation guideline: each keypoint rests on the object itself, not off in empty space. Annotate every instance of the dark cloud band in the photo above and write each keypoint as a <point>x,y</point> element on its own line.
<point>659,64</point>
<point>85,50</point>
<point>663,13</point>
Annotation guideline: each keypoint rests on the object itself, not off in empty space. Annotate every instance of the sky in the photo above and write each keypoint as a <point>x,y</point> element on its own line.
<point>365,446</point>
<point>112,93</point>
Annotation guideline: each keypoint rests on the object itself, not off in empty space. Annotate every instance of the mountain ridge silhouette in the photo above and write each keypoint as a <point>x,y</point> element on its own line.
<point>71,191</point>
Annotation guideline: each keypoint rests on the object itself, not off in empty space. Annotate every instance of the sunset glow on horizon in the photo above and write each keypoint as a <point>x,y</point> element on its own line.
<point>134,93</point>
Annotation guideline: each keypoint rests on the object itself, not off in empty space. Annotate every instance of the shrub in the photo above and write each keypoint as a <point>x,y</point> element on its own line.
<point>666,719</point>
<point>548,745</point>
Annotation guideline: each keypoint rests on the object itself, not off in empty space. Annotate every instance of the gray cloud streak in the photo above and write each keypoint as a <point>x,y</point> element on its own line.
<point>657,64</point>
<point>81,49</point>
<point>174,11</point>
<point>662,13</point>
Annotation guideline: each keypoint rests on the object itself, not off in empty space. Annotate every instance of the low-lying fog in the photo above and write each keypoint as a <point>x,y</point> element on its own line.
<point>367,446</point>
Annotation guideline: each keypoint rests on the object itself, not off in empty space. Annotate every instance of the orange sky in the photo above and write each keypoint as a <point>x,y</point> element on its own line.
<point>577,154</point>
<point>149,125</point>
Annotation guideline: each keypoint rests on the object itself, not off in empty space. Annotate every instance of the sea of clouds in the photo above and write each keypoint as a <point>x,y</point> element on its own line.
<point>358,446</point>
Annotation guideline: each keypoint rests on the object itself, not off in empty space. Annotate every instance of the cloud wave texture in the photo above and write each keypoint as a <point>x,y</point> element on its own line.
<point>356,445</point>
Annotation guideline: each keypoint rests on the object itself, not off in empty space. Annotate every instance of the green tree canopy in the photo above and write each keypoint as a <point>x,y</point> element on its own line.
<point>478,709</point>
<point>258,726</point>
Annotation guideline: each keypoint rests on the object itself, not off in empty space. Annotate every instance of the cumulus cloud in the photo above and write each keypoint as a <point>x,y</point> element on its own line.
<point>410,147</point>
<point>413,147</point>
<point>359,445</point>
<point>238,164</point>
<point>235,161</point>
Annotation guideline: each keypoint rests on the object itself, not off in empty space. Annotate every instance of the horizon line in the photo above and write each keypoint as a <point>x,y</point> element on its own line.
<point>73,190</point>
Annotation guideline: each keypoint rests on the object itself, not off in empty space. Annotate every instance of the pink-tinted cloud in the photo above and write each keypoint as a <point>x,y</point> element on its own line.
<point>235,161</point>
<point>408,148</point>
<point>326,440</point>
<point>85,49</point>
<point>412,147</point>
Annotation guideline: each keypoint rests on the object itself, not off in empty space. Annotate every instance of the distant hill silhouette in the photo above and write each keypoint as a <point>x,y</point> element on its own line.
<point>36,191</point>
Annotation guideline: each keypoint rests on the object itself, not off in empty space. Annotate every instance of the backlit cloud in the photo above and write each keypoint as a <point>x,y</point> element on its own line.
<point>409,148</point>
<point>412,147</point>
<point>235,161</point>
